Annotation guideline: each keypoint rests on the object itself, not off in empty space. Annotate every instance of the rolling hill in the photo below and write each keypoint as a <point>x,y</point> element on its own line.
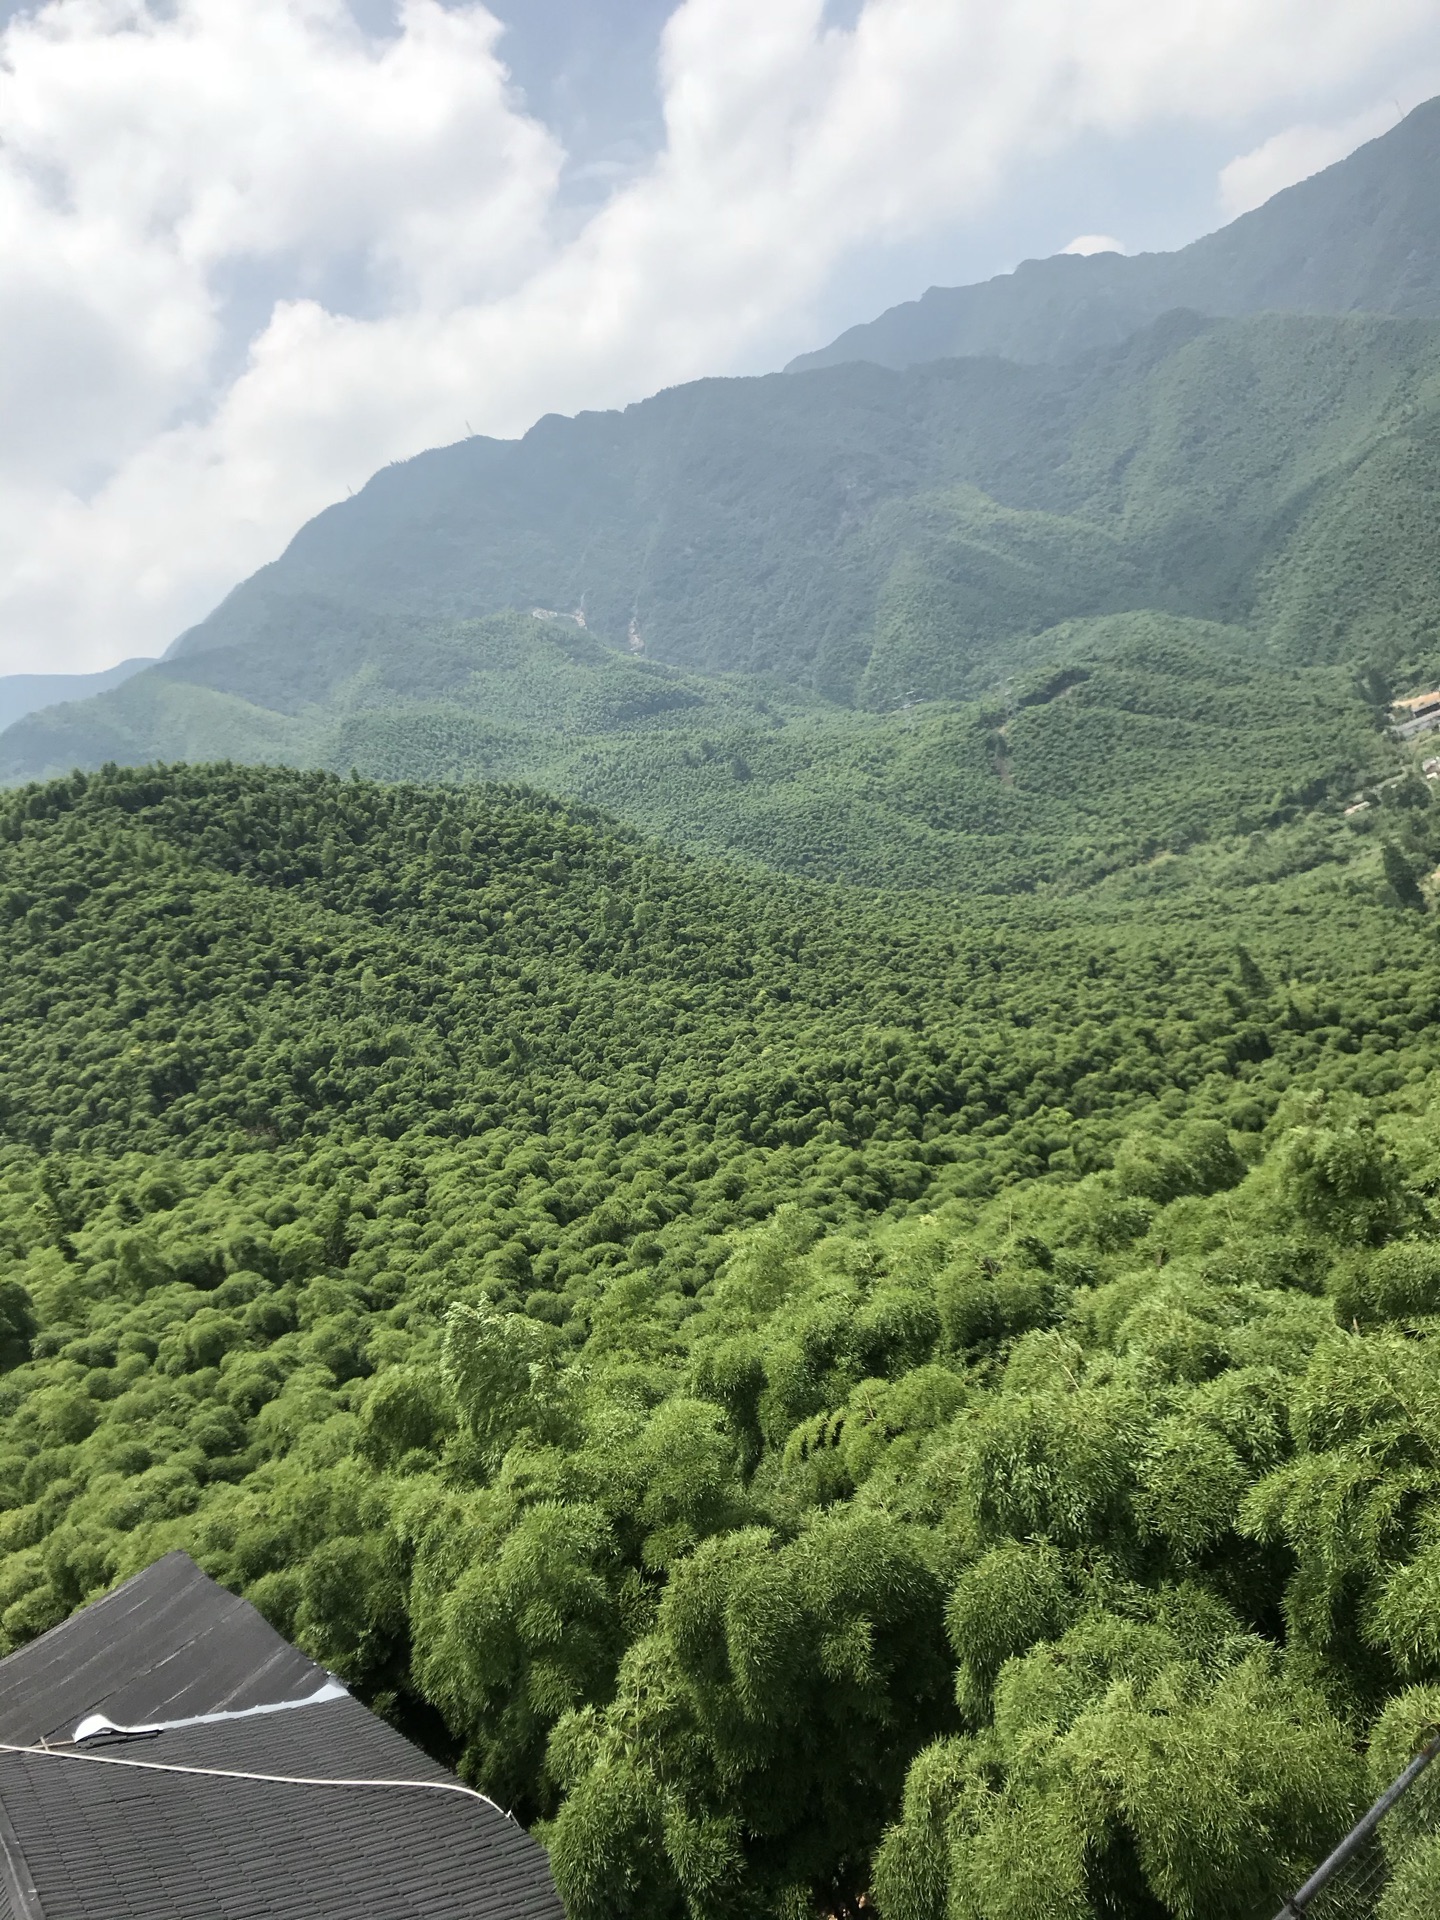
<point>862,1374</point>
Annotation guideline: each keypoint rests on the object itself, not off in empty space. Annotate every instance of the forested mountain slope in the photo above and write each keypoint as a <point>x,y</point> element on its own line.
<point>1363,236</point>
<point>823,1400</point>
<point>771,525</point>
<point>1140,734</point>
<point>792,552</point>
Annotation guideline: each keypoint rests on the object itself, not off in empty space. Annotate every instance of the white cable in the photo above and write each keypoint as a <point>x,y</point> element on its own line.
<point>269,1779</point>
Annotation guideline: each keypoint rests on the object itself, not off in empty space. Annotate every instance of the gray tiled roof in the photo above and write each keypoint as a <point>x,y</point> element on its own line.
<point>167,1645</point>
<point>79,1837</point>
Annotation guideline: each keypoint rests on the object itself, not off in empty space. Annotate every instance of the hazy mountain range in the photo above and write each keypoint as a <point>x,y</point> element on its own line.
<point>22,693</point>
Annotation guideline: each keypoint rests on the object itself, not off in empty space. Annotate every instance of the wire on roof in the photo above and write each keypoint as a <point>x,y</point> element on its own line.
<point>267,1779</point>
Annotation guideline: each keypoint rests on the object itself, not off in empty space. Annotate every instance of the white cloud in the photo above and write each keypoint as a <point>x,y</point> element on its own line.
<point>1088,243</point>
<point>248,254</point>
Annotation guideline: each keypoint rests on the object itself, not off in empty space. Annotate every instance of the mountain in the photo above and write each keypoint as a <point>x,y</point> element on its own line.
<point>1361,237</point>
<point>842,589</point>
<point>22,693</point>
<point>874,536</point>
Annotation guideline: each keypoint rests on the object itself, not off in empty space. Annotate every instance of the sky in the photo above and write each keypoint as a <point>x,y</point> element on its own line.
<point>253,250</point>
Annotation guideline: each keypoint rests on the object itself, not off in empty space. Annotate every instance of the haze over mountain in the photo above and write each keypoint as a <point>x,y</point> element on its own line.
<point>1363,236</point>
<point>22,693</point>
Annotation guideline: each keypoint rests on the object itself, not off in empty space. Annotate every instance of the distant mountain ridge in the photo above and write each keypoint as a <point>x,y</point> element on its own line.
<point>22,693</point>
<point>1361,236</point>
<point>711,526</point>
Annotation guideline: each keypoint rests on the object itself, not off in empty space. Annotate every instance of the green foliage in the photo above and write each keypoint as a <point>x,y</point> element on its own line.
<point>1170,735</point>
<point>763,1726</point>
<point>1345,1181</point>
<point>500,1371</point>
<point>1401,876</point>
<point>807,1395</point>
<point>1134,1765</point>
<point>1410,1722</point>
<point>17,1323</point>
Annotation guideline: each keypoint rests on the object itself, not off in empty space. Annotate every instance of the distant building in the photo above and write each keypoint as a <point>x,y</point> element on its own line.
<point>1417,713</point>
<point>165,1755</point>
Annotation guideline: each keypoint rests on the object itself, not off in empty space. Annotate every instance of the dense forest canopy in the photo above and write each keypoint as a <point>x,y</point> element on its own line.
<point>801,1392</point>
<point>756,1135</point>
